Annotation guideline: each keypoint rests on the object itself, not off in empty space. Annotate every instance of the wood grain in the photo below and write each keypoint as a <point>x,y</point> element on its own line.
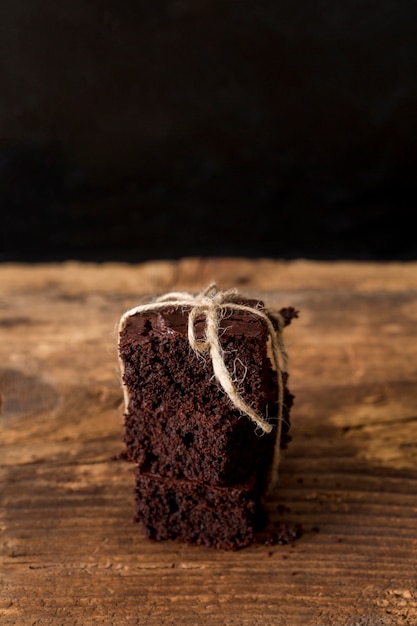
<point>70,553</point>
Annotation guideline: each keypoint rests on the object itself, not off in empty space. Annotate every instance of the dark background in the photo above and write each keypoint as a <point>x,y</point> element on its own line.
<point>134,130</point>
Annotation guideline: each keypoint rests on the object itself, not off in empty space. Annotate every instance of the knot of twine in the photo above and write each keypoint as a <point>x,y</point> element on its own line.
<point>212,304</point>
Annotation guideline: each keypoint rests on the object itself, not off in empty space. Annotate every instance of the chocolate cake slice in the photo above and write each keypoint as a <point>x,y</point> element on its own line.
<point>179,422</point>
<point>198,513</point>
<point>206,410</point>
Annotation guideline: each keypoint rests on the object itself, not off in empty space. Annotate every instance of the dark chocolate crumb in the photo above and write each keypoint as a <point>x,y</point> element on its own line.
<point>283,535</point>
<point>281,508</point>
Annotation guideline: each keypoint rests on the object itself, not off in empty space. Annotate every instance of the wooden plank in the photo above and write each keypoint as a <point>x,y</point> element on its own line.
<point>70,553</point>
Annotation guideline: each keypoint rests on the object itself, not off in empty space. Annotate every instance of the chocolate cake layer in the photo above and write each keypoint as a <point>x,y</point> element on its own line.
<point>197,513</point>
<point>179,422</point>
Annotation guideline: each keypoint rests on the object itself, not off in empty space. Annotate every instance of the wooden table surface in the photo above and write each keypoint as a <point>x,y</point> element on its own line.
<point>70,553</point>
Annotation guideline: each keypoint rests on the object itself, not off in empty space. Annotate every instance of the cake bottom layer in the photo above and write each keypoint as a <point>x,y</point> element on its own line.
<point>198,513</point>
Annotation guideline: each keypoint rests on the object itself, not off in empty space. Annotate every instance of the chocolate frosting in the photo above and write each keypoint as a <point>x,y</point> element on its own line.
<point>171,320</point>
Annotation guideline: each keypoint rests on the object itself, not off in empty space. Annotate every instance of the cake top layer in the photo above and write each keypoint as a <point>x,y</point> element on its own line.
<point>222,313</point>
<point>174,319</point>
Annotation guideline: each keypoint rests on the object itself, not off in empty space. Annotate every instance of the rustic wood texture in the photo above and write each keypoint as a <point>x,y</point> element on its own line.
<point>70,553</point>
